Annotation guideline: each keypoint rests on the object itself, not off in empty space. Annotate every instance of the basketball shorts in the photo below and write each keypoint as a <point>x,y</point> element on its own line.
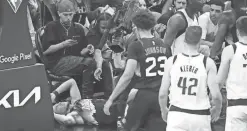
<point>144,105</point>
<point>187,120</point>
<point>236,118</point>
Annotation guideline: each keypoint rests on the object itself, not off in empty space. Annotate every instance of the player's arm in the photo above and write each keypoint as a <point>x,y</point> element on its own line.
<point>175,24</point>
<point>223,26</point>
<point>129,71</point>
<point>125,79</point>
<point>165,84</point>
<point>98,58</point>
<point>203,23</point>
<point>212,84</point>
<point>224,66</point>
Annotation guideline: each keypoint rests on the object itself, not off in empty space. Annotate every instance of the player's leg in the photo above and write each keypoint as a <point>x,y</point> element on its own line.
<point>220,124</point>
<point>200,123</point>
<point>136,111</point>
<point>69,85</point>
<point>132,95</point>
<point>236,118</point>
<point>154,120</point>
<point>177,121</point>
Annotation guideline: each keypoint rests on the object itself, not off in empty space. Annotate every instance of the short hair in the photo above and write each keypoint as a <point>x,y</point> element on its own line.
<point>173,2</point>
<point>218,3</point>
<point>144,19</point>
<point>241,25</point>
<point>193,35</point>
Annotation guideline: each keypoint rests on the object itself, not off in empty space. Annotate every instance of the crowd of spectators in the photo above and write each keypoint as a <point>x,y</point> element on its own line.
<point>70,32</point>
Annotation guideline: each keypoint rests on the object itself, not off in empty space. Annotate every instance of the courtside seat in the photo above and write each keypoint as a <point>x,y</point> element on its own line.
<point>53,79</point>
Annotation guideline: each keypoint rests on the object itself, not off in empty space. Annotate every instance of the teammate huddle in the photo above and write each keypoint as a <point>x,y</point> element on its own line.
<point>189,78</point>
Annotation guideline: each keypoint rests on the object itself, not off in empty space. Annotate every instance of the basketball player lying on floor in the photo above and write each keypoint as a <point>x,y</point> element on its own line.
<point>75,110</point>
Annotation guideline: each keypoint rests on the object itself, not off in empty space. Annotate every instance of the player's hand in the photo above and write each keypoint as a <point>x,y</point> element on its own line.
<point>215,113</point>
<point>107,107</point>
<point>164,115</point>
<point>84,51</point>
<point>160,27</point>
<point>68,120</point>
<point>53,98</point>
<point>204,49</point>
<point>78,119</point>
<point>97,74</point>
<point>69,43</point>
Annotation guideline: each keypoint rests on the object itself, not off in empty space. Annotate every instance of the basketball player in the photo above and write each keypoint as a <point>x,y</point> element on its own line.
<point>146,57</point>
<point>208,21</point>
<point>226,33</point>
<point>187,76</point>
<point>178,23</point>
<point>226,27</point>
<point>233,71</point>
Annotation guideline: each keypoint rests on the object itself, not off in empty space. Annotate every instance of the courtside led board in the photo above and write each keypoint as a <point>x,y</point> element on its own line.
<point>25,103</point>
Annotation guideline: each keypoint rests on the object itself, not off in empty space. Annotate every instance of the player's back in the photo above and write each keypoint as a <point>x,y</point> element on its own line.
<point>152,62</point>
<point>237,78</point>
<point>189,82</point>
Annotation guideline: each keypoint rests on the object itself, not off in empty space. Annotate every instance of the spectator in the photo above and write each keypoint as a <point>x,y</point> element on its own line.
<point>65,46</point>
<point>94,37</point>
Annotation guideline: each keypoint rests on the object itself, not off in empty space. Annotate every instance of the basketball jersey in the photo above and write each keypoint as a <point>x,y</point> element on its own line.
<point>178,44</point>
<point>236,83</point>
<point>152,63</point>
<point>209,29</point>
<point>189,83</point>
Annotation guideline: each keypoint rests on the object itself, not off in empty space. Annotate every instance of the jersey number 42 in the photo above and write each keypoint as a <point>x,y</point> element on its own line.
<point>187,84</point>
<point>160,61</point>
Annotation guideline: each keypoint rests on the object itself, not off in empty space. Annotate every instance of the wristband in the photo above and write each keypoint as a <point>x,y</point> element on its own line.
<point>55,93</point>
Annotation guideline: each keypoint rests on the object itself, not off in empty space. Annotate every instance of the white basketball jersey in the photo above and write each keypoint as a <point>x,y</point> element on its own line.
<point>236,83</point>
<point>189,83</point>
<point>178,44</point>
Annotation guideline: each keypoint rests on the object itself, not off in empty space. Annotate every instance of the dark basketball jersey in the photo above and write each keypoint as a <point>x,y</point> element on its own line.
<point>151,54</point>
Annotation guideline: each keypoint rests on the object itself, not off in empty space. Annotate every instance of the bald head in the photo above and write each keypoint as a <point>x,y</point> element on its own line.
<point>193,35</point>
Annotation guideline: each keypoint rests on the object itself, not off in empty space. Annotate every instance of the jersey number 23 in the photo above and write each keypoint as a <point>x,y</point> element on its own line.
<point>159,61</point>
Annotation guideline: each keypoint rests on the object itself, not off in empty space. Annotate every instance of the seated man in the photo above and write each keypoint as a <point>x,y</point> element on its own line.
<point>65,46</point>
